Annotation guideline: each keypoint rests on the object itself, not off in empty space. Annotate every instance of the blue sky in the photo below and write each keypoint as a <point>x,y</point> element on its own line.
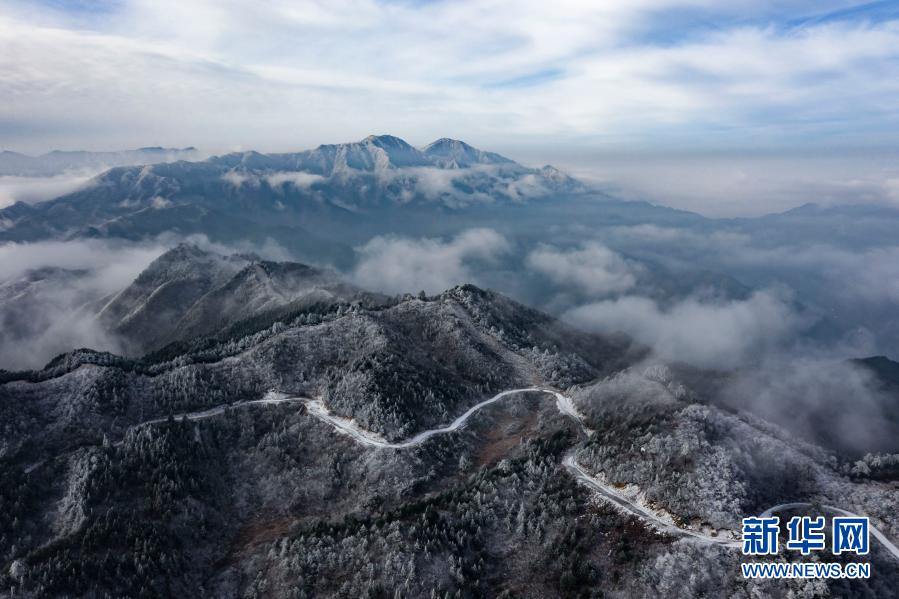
<point>526,77</point>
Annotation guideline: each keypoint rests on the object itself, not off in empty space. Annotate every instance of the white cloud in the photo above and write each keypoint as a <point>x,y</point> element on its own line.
<point>432,182</point>
<point>237,72</point>
<point>39,189</point>
<point>119,260</point>
<point>398,265</point>
<point>724,184</point>
<point>871,276</point>
<point>297,179</point>
<point>706,333</point>
<point>526,187</point>
<point>831,401</point>
<point>159,202</point>
<point>59,314</point>
<point>482,183</point>
<point>237,179</point>
<point>850,277</point>
<point>593,268</point>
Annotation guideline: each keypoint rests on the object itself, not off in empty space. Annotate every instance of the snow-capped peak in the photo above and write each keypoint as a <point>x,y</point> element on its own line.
<point>453,153</point>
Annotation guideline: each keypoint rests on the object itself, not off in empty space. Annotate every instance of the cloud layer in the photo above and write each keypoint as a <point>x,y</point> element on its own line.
<point>829,401</point>
<point>703,332</point>
<point>51,291</point>
<point>47,290</point>
<point>596,73</point>
<point>402,265</point>
<point>38,189</point>
<point>726,184</point>
<point>593,268</point>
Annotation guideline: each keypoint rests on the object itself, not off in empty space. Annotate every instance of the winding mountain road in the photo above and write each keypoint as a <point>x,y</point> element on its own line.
<point>610,494</point>
<point>270,398</point>
<point>349,427</point>
<point>565,406</point>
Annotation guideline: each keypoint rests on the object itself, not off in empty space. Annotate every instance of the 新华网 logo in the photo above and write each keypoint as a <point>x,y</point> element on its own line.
<point>848,535</point>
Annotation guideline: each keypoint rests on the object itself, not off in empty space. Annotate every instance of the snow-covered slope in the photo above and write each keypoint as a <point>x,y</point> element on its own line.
<point>248,492</point>
<point>283,196</point>
<point>189,293</point>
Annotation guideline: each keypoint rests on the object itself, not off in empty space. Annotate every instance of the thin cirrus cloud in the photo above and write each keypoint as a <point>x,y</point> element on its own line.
<point>285,74</point>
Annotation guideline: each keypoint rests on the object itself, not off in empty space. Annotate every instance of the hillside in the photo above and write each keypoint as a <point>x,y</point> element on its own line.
<point>285,196</point>
<point>221,463</point>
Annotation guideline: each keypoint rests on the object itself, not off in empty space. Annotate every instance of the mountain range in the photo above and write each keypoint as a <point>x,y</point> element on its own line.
<point>323,206</point>
<point>269,427</point>
<point>228,462</point>
<point>57,162</point>
<point>286,196</point>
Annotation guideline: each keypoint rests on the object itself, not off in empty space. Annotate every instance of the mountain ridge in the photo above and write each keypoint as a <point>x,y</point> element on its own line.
<point>56,162</point>
<point>188,292</point>
<point>372,153</point>
<point>286,196</point>
<point>106,490</point>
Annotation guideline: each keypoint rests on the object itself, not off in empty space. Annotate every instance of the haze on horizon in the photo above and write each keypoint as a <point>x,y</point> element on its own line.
<point>723,108</point>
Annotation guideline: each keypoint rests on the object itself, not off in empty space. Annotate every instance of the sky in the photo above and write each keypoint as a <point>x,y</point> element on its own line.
<point>646,86</point>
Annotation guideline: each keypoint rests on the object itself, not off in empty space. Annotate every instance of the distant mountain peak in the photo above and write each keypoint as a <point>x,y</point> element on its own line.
<point>387,141</point>
<point>184,249</point>
<point>189,291</point>
<point>248,192</point>
<point>454,153</point>
<point>187,259</point>
<point>447,142</point>
<point>375,153</point>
